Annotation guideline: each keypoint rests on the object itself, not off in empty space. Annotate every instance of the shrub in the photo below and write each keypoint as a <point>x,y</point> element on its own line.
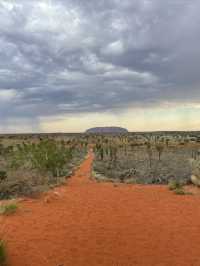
<point>149,153</point>
<point>3,175</point>
<point>160,149</point>
<point>45,156</point>
<point>175,184</point>
<point>8,209</point>
<point>2,253</point>
<point>179,191</point>
<point>131,181</point>
<point>195,167</point>
<point>15,188</point>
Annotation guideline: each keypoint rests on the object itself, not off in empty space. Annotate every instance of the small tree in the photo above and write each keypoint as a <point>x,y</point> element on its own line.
<point>101,152</point>
<point>149,153</point>
<point>113,153</point>
<point>160,149</point>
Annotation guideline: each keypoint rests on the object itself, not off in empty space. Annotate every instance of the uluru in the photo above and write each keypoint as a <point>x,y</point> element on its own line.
<point>110,130</point>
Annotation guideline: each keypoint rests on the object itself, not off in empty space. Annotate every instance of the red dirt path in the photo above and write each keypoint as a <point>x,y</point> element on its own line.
<point>87,224</point>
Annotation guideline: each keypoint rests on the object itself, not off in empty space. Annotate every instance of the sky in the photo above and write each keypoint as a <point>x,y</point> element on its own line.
<point>68,65</point>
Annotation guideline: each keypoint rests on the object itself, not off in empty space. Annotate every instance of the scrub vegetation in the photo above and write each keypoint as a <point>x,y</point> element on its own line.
<point>32,164</point>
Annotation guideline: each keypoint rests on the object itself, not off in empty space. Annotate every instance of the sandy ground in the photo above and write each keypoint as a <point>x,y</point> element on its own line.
<point>86,224</point>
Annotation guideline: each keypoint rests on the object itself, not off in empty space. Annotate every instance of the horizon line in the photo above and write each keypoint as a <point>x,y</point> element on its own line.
<point>84,132</point>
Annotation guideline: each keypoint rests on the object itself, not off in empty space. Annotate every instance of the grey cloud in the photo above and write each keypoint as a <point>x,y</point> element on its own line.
<point>83,56</point>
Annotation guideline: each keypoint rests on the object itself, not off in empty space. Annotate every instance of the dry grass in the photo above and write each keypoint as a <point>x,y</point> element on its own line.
<point>8,209</point>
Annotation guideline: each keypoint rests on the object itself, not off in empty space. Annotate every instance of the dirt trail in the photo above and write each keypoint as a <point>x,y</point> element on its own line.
<point>86,224</point>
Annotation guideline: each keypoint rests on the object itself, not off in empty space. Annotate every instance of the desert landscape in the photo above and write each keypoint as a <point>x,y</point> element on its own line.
<point>95,208</point>
<point>99,133</point>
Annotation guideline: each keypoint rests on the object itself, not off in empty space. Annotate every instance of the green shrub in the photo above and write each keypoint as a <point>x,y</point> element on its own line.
<point>179,191</point>
<point>46,156</point>
<point>8,209</point>
<point>174,184</point>
<point>15,188</point>
<point>2,253</point>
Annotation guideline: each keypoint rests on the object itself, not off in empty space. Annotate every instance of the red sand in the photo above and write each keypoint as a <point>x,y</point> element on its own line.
<point>86,224</point>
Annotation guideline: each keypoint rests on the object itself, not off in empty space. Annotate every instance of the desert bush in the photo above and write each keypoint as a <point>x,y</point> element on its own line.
<point>195,170</point>
<point>156,157</point>
<point>2,253</point>
<point>8,209</point>
<point>180,191</point>
<point>1,148</point>
<point>160,149</point>
<point>3,175</point>
<point>15,188</point>
<point>113,153</point>
<point>149,153</point>
<point>131,181</point>
<point>45,156</point>
<point>99,150</point>
<point>33,165</point>
<point>175,185</point>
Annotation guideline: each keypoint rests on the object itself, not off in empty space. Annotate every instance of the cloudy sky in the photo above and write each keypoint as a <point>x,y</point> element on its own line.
<point>66,65</point>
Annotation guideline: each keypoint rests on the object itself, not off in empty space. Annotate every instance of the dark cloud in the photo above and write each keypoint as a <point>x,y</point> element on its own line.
<point>73,56</point>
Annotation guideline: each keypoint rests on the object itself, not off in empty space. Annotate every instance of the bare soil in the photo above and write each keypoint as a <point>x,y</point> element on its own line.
<point>87,223</point>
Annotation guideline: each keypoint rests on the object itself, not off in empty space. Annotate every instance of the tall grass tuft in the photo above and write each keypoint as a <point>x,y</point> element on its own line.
<point>2,253</point>
<point>8,209</point>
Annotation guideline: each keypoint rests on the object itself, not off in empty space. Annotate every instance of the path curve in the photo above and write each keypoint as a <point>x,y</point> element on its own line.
<point>87,223</point>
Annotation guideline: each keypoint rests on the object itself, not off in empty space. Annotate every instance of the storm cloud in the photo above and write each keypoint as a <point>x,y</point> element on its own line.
<point>60,57</point>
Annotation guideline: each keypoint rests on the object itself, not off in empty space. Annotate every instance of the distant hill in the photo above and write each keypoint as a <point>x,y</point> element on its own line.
<point>107,130</point>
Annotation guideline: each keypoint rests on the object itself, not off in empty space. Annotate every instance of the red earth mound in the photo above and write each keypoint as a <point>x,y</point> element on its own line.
<point>85,223</point>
